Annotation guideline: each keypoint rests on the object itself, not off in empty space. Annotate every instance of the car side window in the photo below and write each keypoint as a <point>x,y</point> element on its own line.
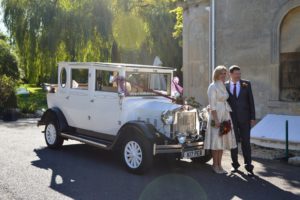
<point>105,81</point>
<point>63,77</point>
<point>80,79</point>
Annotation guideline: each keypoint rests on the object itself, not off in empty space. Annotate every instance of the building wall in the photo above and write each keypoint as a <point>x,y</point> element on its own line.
<point>196,52</point>
<point>248,33</point>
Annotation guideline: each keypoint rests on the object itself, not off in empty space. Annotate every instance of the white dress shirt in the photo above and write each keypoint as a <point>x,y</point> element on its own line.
<point>238,87</point>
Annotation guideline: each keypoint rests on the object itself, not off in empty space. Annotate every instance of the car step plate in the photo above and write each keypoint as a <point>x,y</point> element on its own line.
<point>193,153</point>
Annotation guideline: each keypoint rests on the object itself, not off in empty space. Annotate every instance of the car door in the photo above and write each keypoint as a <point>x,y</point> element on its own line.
<point>61,99</point>
<point>105,103</point>
<point>78,98</point>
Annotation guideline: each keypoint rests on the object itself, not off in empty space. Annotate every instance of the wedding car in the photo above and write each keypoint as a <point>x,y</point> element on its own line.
<point>127,108</point>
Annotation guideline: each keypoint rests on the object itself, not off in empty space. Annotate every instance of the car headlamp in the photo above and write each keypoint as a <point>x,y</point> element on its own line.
<point>167,117</point>
<point>181,137</point>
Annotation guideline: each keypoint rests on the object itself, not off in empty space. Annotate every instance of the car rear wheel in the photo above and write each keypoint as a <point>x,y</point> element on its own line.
<point>137,154</point>
<point>52,136</point>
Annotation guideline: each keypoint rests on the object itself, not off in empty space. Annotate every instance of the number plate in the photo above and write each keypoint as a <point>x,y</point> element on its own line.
<point>193,154</point>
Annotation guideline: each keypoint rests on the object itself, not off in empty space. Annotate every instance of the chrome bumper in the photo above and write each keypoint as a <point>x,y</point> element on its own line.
<point>176,148</point>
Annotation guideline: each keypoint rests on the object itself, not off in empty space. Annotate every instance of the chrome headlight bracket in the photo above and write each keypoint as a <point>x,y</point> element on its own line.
<point>167,117</point>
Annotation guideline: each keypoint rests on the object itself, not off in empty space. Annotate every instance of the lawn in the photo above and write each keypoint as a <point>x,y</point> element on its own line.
<point>36,100</point>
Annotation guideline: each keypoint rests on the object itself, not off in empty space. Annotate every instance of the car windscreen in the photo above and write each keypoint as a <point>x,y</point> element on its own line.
<point>147,84</point>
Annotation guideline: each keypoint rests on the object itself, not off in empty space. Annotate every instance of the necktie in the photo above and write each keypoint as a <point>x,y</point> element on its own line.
<point>234,90</point>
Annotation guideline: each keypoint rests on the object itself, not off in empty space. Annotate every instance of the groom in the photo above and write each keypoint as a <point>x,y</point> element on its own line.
<point>243,116</point>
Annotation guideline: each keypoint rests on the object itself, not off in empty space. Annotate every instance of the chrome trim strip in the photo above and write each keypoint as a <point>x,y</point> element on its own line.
<point>169,151</point>
<point>160,151</point>
<point>154,149</point>
<point>176,146</point>
<point>83,140</point>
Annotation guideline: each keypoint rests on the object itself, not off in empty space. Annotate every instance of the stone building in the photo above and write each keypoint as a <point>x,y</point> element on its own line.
<point>261,36</point>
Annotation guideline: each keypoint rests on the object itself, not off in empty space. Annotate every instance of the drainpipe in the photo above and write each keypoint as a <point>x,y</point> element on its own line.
<point>212,39</point>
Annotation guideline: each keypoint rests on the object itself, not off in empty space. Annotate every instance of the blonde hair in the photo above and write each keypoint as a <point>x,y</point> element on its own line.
<point>218,71</point>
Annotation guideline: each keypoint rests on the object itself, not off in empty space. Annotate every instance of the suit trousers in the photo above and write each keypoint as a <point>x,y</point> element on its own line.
<point>242,134</point>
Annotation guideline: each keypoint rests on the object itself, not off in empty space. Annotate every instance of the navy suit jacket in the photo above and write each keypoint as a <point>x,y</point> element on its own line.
<point>243,109</point>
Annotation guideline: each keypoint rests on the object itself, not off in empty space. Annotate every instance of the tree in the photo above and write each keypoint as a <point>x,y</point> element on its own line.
<point>9,74</point>
<point>7,91</point>
<point>177,34</point>
<point>161,22</point>
<point>47,32</point>
<point>155,38</point>
<point>8,60</point>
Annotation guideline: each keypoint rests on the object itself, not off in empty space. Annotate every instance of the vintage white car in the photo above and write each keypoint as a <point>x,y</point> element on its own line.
<point>123,107</point>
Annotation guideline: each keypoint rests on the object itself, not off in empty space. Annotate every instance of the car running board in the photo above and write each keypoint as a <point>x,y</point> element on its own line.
<point>93,142</point>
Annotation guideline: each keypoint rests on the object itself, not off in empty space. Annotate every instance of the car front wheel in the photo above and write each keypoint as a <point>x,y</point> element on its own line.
<point>137,154</point>
<point>52,137</point>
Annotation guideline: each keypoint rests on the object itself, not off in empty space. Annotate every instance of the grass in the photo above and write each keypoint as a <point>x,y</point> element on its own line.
<point>36,100</point>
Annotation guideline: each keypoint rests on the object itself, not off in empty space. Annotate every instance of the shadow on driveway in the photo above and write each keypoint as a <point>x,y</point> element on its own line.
<point>84,172</point>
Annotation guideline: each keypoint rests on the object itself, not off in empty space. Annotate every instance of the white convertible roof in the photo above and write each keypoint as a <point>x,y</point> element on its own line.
<point>126,65</point>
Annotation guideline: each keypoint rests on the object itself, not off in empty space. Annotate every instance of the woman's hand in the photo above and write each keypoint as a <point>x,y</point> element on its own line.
<point>215,117</point>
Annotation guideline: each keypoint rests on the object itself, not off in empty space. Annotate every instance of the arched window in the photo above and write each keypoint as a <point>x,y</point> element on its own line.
<point>290,56</point>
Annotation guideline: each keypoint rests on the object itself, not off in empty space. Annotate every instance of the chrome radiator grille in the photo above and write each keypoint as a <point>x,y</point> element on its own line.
<point>186,122</point>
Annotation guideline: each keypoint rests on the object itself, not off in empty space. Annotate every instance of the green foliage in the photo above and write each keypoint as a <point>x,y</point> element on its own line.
<point>179,23</point>
<point>26,107</point>
<point>46,32</point>
<point>129,31</point>
<point>7,88</point>
<point>34,101</point>
<point>8,60</point>
<point>192,102</point>
<point>158,27</point>
<point>161,23</point>
<point>9,74</point>
<point>3,37</point>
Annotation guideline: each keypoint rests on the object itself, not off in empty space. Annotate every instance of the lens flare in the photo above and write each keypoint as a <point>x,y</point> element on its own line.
<point>175,185</point>
<point>129,31</point>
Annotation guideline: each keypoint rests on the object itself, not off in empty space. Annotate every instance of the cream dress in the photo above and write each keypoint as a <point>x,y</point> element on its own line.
<point>217,97</point>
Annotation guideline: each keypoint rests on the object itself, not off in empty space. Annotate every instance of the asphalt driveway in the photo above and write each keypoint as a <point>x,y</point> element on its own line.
<point>29,170</point>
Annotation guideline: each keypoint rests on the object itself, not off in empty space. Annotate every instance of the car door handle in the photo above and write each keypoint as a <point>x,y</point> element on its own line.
<point>92,100</point>
<point>67,97</point>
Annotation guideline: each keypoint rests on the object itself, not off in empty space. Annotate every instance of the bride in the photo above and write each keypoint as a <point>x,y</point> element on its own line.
<point>219,136</point>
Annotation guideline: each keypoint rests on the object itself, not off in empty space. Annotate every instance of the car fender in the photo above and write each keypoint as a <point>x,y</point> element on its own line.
<point>148,131</point>
<point>58,114</point>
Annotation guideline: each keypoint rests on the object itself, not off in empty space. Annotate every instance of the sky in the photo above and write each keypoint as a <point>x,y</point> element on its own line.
<point>2,27</point>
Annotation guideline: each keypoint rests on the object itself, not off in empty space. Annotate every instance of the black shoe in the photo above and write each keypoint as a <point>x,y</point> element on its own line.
<point>250,173</point>
<point>234,170</point>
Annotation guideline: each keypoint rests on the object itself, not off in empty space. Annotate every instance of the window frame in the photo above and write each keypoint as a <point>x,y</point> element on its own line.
<point>95,80</point>
<point>152,72</point>
<point>63,69</point>
<point>88,78</point>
